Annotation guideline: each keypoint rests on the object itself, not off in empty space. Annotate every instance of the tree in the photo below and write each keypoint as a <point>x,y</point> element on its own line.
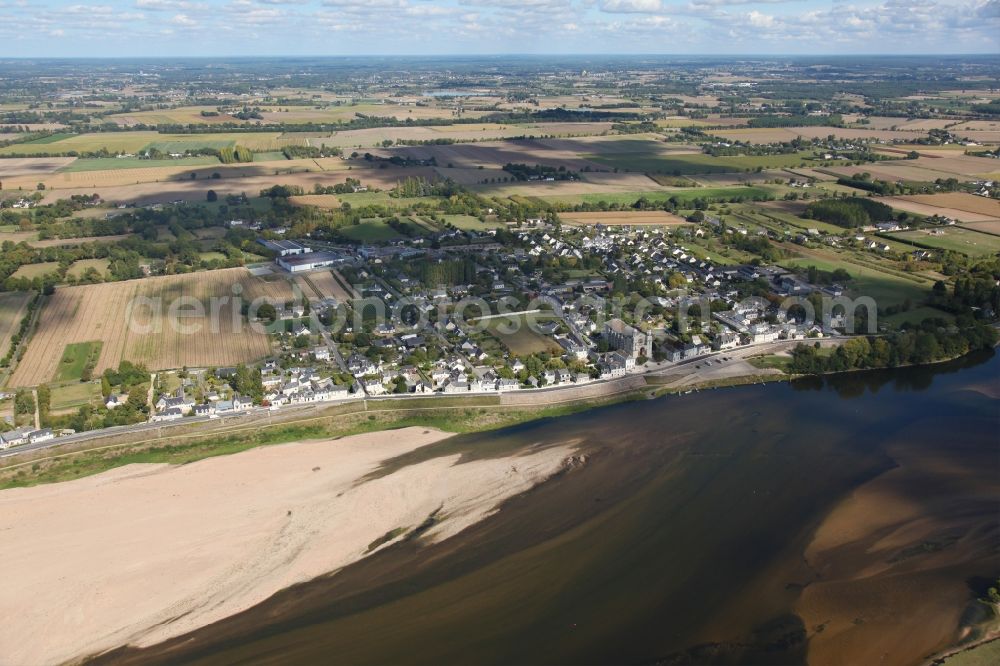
<point>211,196</point>
<point>266,312</point>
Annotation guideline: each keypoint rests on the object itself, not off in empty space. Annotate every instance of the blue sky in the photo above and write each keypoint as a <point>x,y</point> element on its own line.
<point>33,28</point>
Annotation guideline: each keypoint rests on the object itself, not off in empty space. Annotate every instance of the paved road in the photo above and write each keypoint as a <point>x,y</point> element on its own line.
<point>262,413</point>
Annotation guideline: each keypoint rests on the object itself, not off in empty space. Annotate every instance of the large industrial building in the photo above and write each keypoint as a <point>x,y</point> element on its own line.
<point>299,263</point>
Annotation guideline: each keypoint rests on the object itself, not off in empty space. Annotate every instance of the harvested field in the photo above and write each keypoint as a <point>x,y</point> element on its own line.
<point>991,227</point>
<point>346,290</point>
<point>326,285</point>
<point>275,288</point>
<point>13,307</point>
<point>101,312</point>
<point>620,218</point>
<point>176,183</point>
<point>920,205</point>
<point>365,138</point>
<point>32,166</point>
<point>960,201</point>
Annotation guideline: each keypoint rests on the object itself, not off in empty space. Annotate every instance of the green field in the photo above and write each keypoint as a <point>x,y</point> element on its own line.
<point>470,222</point>
<point>78,268</point>
<point>915,316</point>
<point>32,271</point>
<point>966,241</point>
<point>370,231</point>
<point>189,143</point>
<point>775,361</point>
<point>69,397</point>
<point>128,142</point>
<point>885,288</point>
<point>76,357</point>
<point>212,256</point>
<point>682,196</point>
<point>114,163</point>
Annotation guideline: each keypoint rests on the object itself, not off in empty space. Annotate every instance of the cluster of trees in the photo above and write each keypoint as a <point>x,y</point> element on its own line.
<point>851,212</point>
<point>19,334</point>
<point>865,182</point>
<point>247,382</point>
<point>229,155</point>
<point>311,152</point>
<point>933,341</point>
<point>282,191</point>
<point>435,274</point>
<point>525,172</point>
<point>832,120</point>
<point>349,185</point>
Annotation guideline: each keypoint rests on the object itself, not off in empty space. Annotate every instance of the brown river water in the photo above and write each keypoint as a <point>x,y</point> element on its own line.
<point>845,520</point>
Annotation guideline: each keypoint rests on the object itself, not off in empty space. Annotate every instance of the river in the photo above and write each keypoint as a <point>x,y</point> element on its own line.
<point>849,519</point>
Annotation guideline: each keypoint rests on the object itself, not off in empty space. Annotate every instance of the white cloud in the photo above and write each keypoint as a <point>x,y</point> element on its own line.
<point>631,6</point>
<point>183,20</point>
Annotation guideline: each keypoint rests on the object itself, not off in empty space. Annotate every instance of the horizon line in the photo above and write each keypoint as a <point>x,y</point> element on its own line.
<point>511,54</point>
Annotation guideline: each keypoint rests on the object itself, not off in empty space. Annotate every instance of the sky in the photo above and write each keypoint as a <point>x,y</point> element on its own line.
<point>136,28</point>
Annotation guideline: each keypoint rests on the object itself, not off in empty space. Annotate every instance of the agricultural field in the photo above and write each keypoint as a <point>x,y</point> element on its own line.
<point>957,239</point>
<point>184,115</point>
<point>368,138</point>
<point>681,195</point>
<point>655,159</point>
<point>32,166</point>
<point>116,163</point>
<point>522,340</point>
<point>13,307</point>
<point>32,271</point>
<point>144,334</point>
<point>326,286</point>
<point>128,142</point>
<point>957,205</point>
<point>620,218</point>
<point>135,142</point>
<point>990,227</point>
<point>761,135</point>
<point>78,359</point>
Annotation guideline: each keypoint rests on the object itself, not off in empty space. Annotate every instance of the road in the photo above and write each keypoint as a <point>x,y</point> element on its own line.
<point>737,355</point>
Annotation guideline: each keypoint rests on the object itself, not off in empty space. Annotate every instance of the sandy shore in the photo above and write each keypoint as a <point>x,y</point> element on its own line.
<point>147,552</point>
